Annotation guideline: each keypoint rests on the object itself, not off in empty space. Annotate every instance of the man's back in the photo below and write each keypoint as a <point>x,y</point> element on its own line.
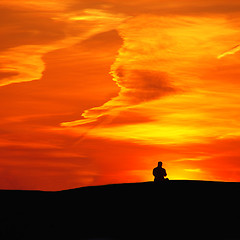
<point>159,173</point>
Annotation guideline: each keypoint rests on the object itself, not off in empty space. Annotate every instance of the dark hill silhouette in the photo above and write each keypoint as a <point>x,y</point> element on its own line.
<point>169,210</point>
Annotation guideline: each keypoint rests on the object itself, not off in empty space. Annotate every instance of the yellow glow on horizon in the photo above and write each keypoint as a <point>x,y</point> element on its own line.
<point>150,133</point>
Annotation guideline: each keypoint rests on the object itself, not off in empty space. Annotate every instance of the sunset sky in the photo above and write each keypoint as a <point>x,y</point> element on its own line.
<point>98,91</point>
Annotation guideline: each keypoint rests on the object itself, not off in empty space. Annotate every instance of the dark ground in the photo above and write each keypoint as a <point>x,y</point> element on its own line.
<point>170,210</point>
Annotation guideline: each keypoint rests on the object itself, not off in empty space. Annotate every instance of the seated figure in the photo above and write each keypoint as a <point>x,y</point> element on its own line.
<point>159,173</point>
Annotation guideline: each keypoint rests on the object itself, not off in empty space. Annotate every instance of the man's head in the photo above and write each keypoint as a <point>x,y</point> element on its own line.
<point>159,164</point>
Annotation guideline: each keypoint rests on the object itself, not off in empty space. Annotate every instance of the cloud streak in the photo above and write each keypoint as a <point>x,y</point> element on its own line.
<point>230,52</point>
<point>24,63</point>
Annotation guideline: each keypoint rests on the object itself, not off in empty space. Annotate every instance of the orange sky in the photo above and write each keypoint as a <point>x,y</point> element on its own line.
<point>97,92</point>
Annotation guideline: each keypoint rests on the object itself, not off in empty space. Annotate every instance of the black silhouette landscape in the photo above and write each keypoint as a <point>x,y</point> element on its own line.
<point>169,210</point>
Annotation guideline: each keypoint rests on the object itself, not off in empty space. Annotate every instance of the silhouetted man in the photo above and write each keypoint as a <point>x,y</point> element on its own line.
<point>159,173</point>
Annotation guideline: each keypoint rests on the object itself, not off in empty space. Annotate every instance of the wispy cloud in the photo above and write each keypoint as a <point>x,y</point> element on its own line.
<point>24,63</point>
<point>159,72</point>
<point>230,52</point>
